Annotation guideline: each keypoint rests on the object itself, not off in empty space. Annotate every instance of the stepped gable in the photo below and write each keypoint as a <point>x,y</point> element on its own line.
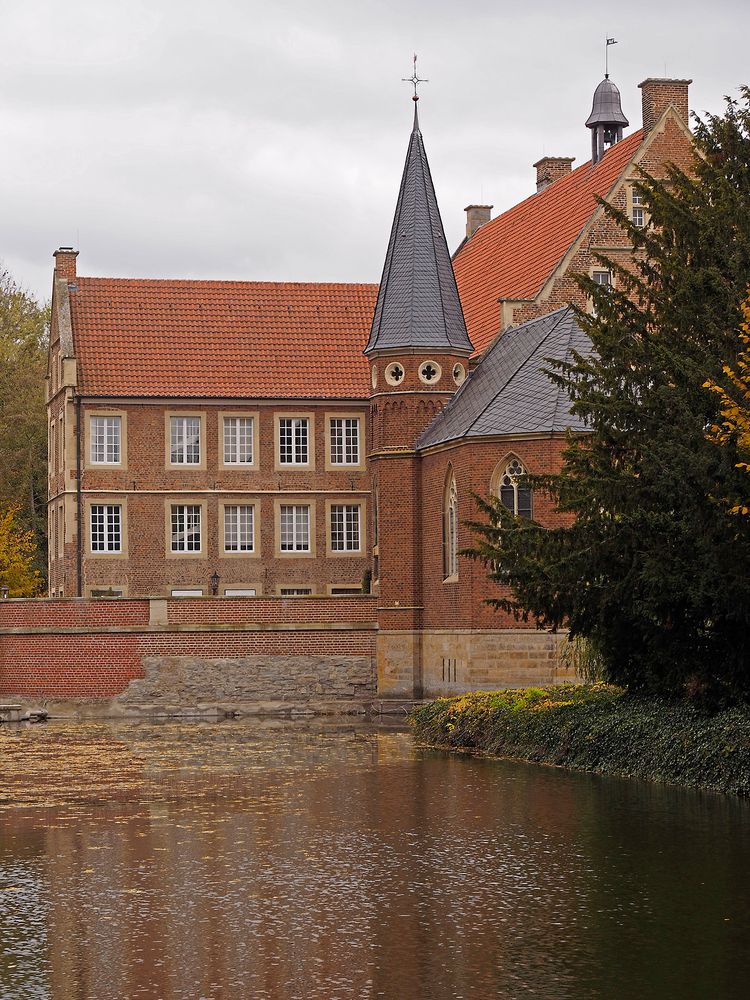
<point>221,339</point>
<point>418,303</point>
<point>513,255</point>
<point>508,393</point>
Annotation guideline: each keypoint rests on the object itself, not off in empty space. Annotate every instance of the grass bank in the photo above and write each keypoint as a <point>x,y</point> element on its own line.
<point>597,728</point>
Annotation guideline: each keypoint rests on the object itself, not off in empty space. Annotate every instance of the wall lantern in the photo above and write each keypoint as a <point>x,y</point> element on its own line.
<point>214,583</point>
<point>4,592</point>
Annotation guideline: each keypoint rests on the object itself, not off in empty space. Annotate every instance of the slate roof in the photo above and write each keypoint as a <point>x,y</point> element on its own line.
<point>418,303</point>
<point>513,255</point>
<point>221,339</point>
<point>508,393</point>
<point>606,108</point>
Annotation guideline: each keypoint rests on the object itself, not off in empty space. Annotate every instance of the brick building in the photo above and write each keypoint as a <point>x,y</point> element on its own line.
<point>247,439</point>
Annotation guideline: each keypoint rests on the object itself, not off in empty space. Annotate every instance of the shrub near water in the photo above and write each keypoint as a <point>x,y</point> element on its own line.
<point>597,728</point>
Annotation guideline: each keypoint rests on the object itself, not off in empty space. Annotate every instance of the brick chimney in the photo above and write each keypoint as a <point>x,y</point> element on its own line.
<point>65,263</point>
<point>550,169</point>
<point>657,95</point>
<point>476,217</point>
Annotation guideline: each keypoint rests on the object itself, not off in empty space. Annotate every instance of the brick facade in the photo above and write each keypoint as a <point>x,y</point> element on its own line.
<point>435,632</point>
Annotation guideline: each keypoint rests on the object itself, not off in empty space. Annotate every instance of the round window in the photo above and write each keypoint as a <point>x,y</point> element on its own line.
<point>430,372</point>
<point>394,373</point>
<point>374,376</point>
<point>459,373</point>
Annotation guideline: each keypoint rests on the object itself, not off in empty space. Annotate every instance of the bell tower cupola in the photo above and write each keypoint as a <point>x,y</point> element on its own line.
<point>606,120</point>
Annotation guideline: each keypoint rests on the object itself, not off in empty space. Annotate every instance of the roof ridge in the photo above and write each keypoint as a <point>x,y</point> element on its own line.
<point>253,282</point>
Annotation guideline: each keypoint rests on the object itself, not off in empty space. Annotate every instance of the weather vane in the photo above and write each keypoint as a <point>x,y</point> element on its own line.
<point>414,79</point>
<point>610,41</point>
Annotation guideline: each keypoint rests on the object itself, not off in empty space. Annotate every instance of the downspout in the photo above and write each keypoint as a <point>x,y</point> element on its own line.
<point>79,503</point>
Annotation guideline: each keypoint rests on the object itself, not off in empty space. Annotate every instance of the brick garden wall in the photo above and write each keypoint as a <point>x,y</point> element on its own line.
<point>84,649</point>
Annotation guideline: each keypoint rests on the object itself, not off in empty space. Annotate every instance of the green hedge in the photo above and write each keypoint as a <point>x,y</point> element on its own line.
<point>597,728</point>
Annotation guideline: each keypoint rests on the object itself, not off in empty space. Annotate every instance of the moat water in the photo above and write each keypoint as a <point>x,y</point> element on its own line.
<point>326,861</point>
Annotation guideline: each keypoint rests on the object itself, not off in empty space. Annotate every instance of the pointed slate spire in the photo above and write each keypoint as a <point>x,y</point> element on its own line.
<point>418,304</point>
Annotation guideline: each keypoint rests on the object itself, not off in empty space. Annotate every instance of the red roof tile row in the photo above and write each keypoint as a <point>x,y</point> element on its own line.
<point>221,339</point>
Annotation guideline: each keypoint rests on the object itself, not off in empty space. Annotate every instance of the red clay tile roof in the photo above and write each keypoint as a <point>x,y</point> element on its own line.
<point>221,339</point>
<point>512,256</point>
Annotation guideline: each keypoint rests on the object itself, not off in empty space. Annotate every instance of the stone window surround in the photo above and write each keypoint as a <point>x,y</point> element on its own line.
<point>184,500</point>
<point>297,501</point>
<point>243,501</point>
<point>450,529</point>
<point>280,415</point>
<point>499,472</point>
<point>61,532</point>
<point>343,466</point>
<point>202,444</point>
<point>108,500</point>
<point>251,414</point>
<point>331,589</point>
<point>86,448</point>
<point>347,553</point>
<point>632,204</point>
<point>52,449</point>
<point>295,586</point>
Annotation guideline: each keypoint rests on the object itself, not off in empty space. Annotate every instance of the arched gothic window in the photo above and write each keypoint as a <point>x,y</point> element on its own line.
<point>515,497</point>
<point>450,528</point>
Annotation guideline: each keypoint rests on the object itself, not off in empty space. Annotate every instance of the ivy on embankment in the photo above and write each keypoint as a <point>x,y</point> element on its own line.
<point>597,728</point>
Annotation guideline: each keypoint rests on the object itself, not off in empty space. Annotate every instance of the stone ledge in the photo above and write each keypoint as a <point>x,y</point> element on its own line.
<point>190,627</point>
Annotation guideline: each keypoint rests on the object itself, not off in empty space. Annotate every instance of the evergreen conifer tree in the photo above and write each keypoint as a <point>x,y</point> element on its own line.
<point>653,571</point>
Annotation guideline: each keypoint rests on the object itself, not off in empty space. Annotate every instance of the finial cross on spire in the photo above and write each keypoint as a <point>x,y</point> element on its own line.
<point>414,79</point>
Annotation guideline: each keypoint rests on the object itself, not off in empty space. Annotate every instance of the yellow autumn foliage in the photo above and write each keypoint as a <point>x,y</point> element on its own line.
<point>735,406</point>
<point>17,555</point>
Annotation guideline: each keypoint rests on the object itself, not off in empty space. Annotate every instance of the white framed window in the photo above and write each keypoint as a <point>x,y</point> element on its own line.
<point>106,527</point>
<point>239,528</point>
<point>450,530</point>
<point>186,527</point>
<point>601,277</point>
<point>344,435</point>
<point>238,440</point>
<point>106,436</point>
<point>187,592</point>
<point>185,440</point>
<point>294,441</point>
<point>345,590</point>
<point>515,497</point>
<point>240,592</point>
<point>295,591</point>
<point>638,212</point>
<point>295,527</point>
<point>345,527</point>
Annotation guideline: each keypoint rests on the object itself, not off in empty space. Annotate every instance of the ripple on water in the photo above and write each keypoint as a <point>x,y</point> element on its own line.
<point>324,861</point>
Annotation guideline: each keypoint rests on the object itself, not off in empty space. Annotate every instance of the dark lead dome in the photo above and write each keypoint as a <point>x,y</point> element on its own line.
<point>606,120</point>
<point>607,107</point>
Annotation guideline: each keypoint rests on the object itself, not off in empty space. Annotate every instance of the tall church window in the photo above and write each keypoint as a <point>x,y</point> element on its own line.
<point>514,494</point>
<point>450,529</point>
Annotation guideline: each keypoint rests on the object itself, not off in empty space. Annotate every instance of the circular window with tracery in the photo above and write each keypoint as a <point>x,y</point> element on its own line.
<point>394,373</point>
<point>430,372</point>
<point>374,376</point>
<point>459,373</point>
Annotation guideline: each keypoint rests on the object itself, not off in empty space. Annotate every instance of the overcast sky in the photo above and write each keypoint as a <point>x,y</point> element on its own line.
<point>248,140</point>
